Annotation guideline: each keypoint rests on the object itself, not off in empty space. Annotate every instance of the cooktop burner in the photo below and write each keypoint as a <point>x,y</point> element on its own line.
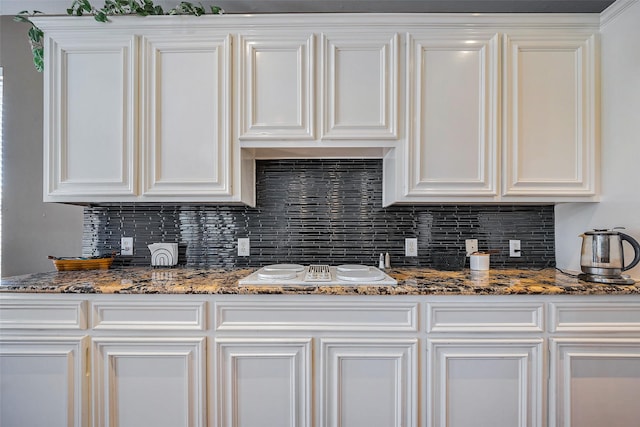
<point>318,275</point>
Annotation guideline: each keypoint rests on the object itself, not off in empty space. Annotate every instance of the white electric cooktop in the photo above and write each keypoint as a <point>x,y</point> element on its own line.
<point>318,275</point>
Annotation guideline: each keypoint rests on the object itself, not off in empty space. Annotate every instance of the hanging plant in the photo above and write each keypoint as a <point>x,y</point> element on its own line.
<point>110,8</point>
<point>35,35</point>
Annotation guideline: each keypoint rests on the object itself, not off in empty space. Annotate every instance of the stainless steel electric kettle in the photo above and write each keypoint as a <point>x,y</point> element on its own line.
<point>602,258</point>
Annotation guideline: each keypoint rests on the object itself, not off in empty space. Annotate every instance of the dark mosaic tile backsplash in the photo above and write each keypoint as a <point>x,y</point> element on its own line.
<point>321,211</point>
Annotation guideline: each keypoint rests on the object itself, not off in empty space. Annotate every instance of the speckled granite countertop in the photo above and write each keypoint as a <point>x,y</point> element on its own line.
<point>411,281</point>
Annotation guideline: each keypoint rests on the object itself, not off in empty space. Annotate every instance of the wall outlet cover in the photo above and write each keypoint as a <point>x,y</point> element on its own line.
<point>514,248</point>
<point>126,246</point>
<point>411,247</point>
<point>471,246</point>
<point>244,247</point>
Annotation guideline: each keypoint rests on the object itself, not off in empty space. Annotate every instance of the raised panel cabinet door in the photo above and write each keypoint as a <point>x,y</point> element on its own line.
<point>43,382</point>
<point>369,383</point>
<point>485,382</point>
<point>89,130</point>
<point>360,86</point>
<point>453,103</point>
<point>594,382</point>
<point>550,115</point>
<point>262,382</point>
<point>186,115</point>
<point>276,85</point>
<point>143,381</point>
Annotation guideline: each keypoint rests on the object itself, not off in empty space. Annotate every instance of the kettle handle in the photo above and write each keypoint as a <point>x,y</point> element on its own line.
<point>636,247</point>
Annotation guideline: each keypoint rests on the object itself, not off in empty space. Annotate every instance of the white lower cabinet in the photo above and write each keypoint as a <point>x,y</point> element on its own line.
<point>262,382</point>
<point>485,382</point>
<point>43,381</point>
<point>368,382</point>
<point>596,382</point>
<point>319,360</point>
<point>141,381</point>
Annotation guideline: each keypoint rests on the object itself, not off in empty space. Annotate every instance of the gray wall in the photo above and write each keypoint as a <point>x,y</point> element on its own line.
<point>31,229</point>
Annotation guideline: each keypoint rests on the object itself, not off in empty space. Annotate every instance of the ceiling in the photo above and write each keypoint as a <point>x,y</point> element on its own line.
<point>300,6</point>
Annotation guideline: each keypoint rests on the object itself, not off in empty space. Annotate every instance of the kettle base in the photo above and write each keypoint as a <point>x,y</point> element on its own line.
<point>620,280</point>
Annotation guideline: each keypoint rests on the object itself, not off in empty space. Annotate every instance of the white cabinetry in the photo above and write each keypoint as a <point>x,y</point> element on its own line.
<point>149,381</point>
<point>358,88</point>
<point>262,382</point>
<point>526,131</point>
<point>550,115</point>
<point>453,144</point>
<point>364,371</point>
<point>594,364</point>
<point>90,88</point>
<point>488,382</point>
<point>149,365</point>
<point>186,115</point>
<point>43,362</point>
<point>596,382</point>
<point>326,360</point>
<point>140,110</point>
<point>462,109</point>
<point>43,381</point>
<point>360,83</point>
<point>369,382</point>
<point>485,363</point>
<point>276,74</point>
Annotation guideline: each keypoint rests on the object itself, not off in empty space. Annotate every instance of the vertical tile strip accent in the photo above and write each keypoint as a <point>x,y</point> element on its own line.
<point>320,211</point>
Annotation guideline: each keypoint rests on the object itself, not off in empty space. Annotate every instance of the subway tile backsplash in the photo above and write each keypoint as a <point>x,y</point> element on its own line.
<point>320,211</point>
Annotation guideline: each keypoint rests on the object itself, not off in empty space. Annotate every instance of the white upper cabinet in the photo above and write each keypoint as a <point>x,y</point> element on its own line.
<point>89,130</point>
<point>276,74</point>
<point>360,85</point>
<point>288,87</point>
<point>550,115</point>
<point>452,147</point>
<point>461,108</point>
<point>186,115</point>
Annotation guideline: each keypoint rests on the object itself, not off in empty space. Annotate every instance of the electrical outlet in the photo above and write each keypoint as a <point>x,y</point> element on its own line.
<point>471,246</point>
<point>411,247</point>
<point>514,248</point>
<point>126,246</point>
<point>244,247</point>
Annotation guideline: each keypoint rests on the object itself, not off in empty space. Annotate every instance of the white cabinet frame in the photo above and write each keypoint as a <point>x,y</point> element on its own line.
<point>428,114</point>
<point>401,354</point>
<point>230,353</point>
<point>109,351</point>
<point>527,353</point>
<point>573,169</point>
<point>206,130</point>
<point>77,127</point>
<point>256,91</point>
<point>378,118</point>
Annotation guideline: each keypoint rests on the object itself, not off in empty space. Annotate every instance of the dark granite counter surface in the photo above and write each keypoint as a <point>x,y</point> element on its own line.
<point>411,281</point>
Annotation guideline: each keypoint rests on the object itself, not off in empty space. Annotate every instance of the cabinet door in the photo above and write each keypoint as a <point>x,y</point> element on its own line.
<point>149,382</point>
<point>369,383</point>
<point>453,100</point>
<point>263,382</point>
<point>484,382</point>
<point>90,99</point>
<point>276,87</point>
<point>43,382</point>
<point>550,115</point>
<point>594,382</point>
<point>186,110</point>
<point>360,86</point>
